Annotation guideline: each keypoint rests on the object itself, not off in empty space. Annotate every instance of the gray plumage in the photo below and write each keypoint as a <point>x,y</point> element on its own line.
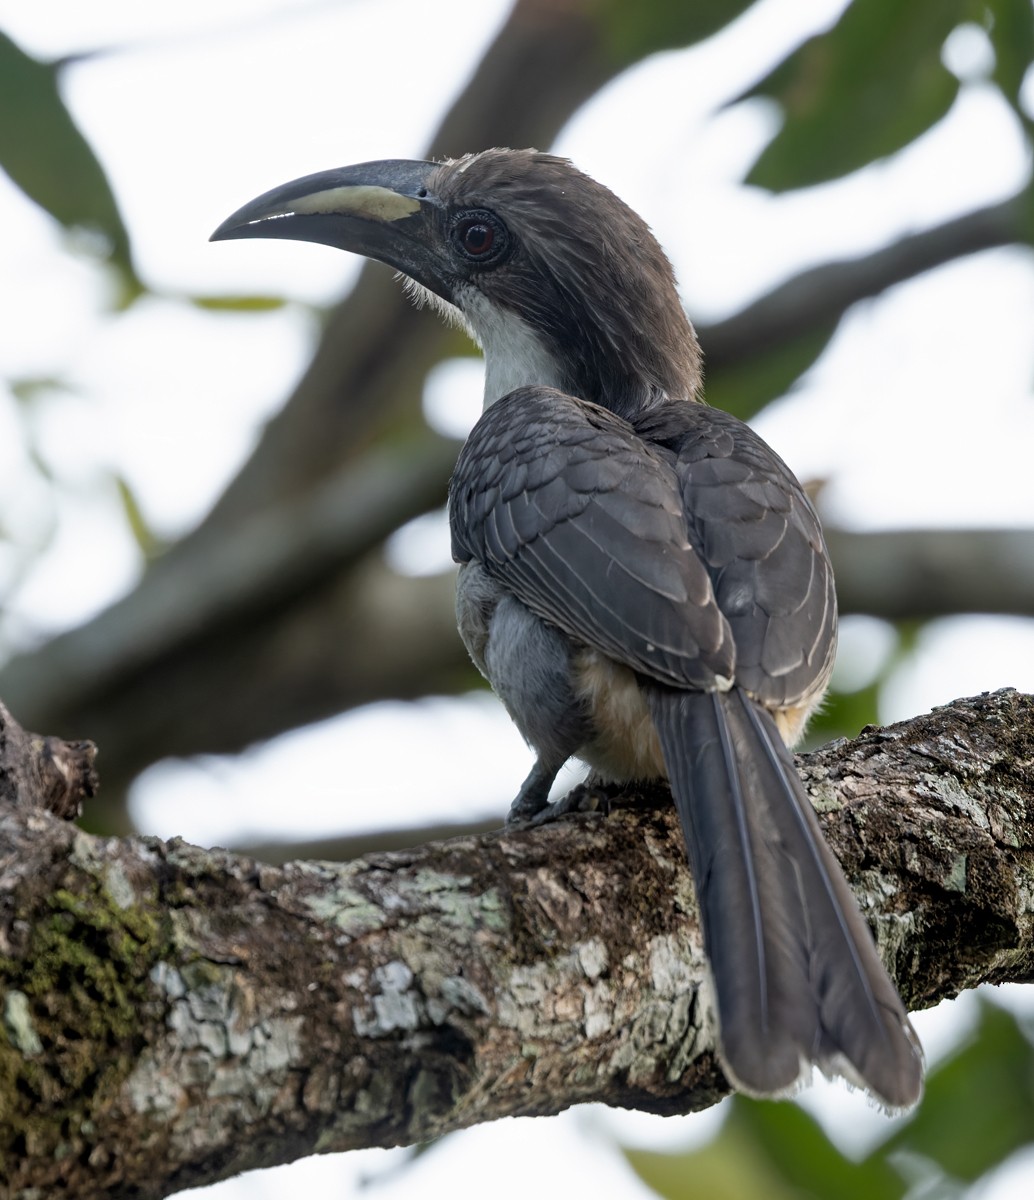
<point>795,972</point>
<point>642,579</point>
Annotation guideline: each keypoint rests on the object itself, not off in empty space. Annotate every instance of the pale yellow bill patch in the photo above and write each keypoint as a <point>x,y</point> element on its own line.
<point>357,200</point>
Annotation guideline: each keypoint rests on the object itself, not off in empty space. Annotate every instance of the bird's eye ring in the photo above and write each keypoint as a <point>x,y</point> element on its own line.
<point>480,236</point>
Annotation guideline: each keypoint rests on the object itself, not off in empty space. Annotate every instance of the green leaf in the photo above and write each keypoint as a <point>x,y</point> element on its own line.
<point>728,1168</point>
<point>744,388</point>
<point>632,31</point>
<point>150,544</point>
<point>243,304</point>
<point>805,1158</point>
<point>979,1103</point>
<point>28,389</point>
<point>843,714</point>
<point>861,91</point>
<point>769,1149</point>
<point>44,153</point>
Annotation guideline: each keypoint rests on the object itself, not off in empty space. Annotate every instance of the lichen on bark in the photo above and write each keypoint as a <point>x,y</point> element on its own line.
<point>171,1015</point>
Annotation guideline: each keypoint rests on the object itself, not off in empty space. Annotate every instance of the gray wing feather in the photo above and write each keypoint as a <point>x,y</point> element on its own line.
<point>760,538</point>
<point>573,514</point>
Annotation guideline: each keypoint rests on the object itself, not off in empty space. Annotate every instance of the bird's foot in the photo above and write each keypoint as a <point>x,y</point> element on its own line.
<point>586,797</point>
<point>583,798</point>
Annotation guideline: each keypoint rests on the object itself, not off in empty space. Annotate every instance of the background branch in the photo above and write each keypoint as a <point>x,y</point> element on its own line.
<point>820,296</point>
<point>298,623</point>
<point>918,573</point>
<point>175,1015</point>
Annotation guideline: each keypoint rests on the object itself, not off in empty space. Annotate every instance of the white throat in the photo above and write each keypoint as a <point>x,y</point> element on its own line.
<point>515,355</point>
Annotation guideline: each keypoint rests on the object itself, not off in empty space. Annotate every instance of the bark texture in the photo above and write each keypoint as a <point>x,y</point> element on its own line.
<point>44,772</point>
<point>172,1015</point>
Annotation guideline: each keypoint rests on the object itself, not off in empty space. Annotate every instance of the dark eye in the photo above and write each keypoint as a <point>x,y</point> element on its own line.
<point>480,236</point>
<point>477,238</point>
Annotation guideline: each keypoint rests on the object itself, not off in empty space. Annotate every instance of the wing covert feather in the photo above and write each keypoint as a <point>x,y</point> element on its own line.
<point>760,538</point>
<point>571,512</point>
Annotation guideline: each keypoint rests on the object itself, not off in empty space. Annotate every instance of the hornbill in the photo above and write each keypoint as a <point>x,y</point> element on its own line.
<point>642,579</point>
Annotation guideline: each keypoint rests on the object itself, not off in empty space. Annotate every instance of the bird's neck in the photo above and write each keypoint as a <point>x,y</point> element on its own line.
<point>519,355</point>
<point>516,355</point>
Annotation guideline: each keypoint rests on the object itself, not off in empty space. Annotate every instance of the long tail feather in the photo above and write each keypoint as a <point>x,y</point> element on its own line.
<point>796,974</point>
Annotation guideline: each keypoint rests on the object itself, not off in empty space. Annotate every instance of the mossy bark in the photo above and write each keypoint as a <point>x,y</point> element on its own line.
<point>171,1015</point>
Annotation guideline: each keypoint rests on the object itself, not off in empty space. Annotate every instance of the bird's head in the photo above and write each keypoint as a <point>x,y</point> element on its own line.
<point>558,280</point>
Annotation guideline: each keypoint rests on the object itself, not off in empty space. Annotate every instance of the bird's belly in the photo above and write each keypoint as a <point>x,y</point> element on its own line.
<point>566,698</point>
<point>624,745</point>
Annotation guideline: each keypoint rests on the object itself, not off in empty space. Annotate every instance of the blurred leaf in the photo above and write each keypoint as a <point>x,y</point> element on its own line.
<point>728,1168</point>
<point>243,304</point>
<point>150,544</point>
<point>859,92</point>
<point>979,1103</point>
<point>31,388</point>
<point>38,459</point>
<point>766,1149</point>
<point>743,389</point>
<point>401,1161</point>
<point>1011,30</point>
<point>632,31</point>
<point>44,153</point>
<point>978,1110</point>
<point>805,1158</point>
<point>1026,210</point>
<point>844,714</point>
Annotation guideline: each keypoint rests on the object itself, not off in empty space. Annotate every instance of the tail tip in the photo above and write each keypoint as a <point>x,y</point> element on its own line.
<point>892,1081</point>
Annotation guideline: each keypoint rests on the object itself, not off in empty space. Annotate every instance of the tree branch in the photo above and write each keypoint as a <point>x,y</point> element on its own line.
<point>174,1015</point>
<point>44,772</point>
<point>819,297</point>
<point>301,626</point>
<point>914,574</point>
<point>313,564</point>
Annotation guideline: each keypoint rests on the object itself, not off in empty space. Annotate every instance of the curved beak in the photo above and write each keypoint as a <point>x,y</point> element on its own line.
<point>382,210</point>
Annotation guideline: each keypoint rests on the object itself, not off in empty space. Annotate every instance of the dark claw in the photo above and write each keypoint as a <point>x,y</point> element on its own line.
<point>585,798</point>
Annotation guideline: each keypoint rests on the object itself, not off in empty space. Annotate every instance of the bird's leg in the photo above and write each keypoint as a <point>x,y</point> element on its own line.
<point>533,798</point>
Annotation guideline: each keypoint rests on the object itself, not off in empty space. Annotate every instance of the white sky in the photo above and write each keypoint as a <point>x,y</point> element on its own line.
<point>920,412</point>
